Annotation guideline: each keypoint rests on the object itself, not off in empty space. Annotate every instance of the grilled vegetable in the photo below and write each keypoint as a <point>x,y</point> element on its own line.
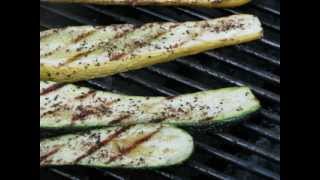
<point>81,53</point>
<point>139,146</point>
<point>69,106</point>
<point>201,3</point>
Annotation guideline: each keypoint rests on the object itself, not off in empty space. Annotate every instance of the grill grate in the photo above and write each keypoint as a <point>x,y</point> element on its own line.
<point>248,151</point>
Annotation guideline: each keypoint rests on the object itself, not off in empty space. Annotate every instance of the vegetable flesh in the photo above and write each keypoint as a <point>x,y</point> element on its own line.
<point>139,146</point>
<point>69,106</point>
<point>67,55</point>
<point>201,3</point>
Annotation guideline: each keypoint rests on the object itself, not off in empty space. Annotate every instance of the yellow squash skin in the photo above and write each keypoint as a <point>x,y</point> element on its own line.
<point>198,3</point>
<point>157,43</point>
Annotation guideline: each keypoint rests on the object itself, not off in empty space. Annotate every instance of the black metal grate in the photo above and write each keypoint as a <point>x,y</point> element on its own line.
<point>248,151</point>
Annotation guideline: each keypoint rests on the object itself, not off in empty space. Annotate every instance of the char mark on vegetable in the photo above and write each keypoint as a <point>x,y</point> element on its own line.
<point>118,120</point>
<point>52,88</point>
<point>49,154</point>
<point>103,143</point>
<point>83,96</point>
<point>134,145</point>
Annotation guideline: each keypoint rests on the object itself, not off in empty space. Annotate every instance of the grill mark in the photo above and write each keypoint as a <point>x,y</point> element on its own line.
<point>83,36</point>
<point>104,142</point>
<point>161,119</point>
<point>84,112</point>
<point>134,145</point>
<point>49,154</point>
<point>108,103</point>
<point>85,53</point>
<point>76,57</point>
<point>118,120</point>
<point>144,43</point>
<point>52,88</point>
<point>117,56</point>
<point>77,39</point>
<point>170,97</point>
<point>49,112</point>
<point>137,45</point>
<point>83,96</point>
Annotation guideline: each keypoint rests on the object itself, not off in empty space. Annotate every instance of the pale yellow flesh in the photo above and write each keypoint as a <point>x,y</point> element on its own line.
<point>201,3</point>
<point>105,51</point>
<point>139,146</point>
<point>63,108</point>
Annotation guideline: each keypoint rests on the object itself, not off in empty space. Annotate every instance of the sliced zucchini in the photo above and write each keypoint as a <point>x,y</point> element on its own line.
<point>80,53</point>
<point>138,146</point>
<point>70,106</point>
<point>202,3</point>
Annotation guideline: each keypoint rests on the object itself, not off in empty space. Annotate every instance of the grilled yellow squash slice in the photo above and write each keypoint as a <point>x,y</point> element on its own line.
<point>81,53</point>
<point>200,3</point>
<point>69,106</point>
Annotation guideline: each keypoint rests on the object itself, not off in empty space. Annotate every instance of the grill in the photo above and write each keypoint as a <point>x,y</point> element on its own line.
<point>250,150</point>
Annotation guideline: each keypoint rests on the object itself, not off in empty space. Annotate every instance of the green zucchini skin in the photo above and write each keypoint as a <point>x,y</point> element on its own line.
<point>68,106</point>
<point>147,146</point>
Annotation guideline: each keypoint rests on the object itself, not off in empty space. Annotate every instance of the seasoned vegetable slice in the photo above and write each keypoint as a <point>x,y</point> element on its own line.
<point>69,106</point>
<point>138,146</point>
<point>81,53</point>
<point>202,3</point>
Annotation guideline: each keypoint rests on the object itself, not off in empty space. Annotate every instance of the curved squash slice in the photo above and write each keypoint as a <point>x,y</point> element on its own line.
<point>69,106</point>
<point>200,3</point>
<point>81,53</point>
<point>139,146</point>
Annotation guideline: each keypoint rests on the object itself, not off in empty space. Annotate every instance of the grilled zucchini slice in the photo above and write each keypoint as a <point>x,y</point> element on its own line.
<point>199,3</point>
<point>138,146</point>
<point>69,106</point>
<point>81,53</point>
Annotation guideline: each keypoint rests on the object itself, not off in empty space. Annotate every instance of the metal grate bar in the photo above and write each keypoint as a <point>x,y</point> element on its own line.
<point>270,115</point>
<point>241,163</point>
<point>112,174</point>
<point>272,60</point>
<point>183,80</point>
<point>272,26</point>
<point>263,74</point>
<point>264,93</point>
<point>266,8</point>
<point>208,171</point>
<point>168,175</point>
<point>111,14</point>
<point>248,146</point>
<point>116,176</point>
<point>264,132</point>
<point>64,174</point>
<point>73,18</point>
